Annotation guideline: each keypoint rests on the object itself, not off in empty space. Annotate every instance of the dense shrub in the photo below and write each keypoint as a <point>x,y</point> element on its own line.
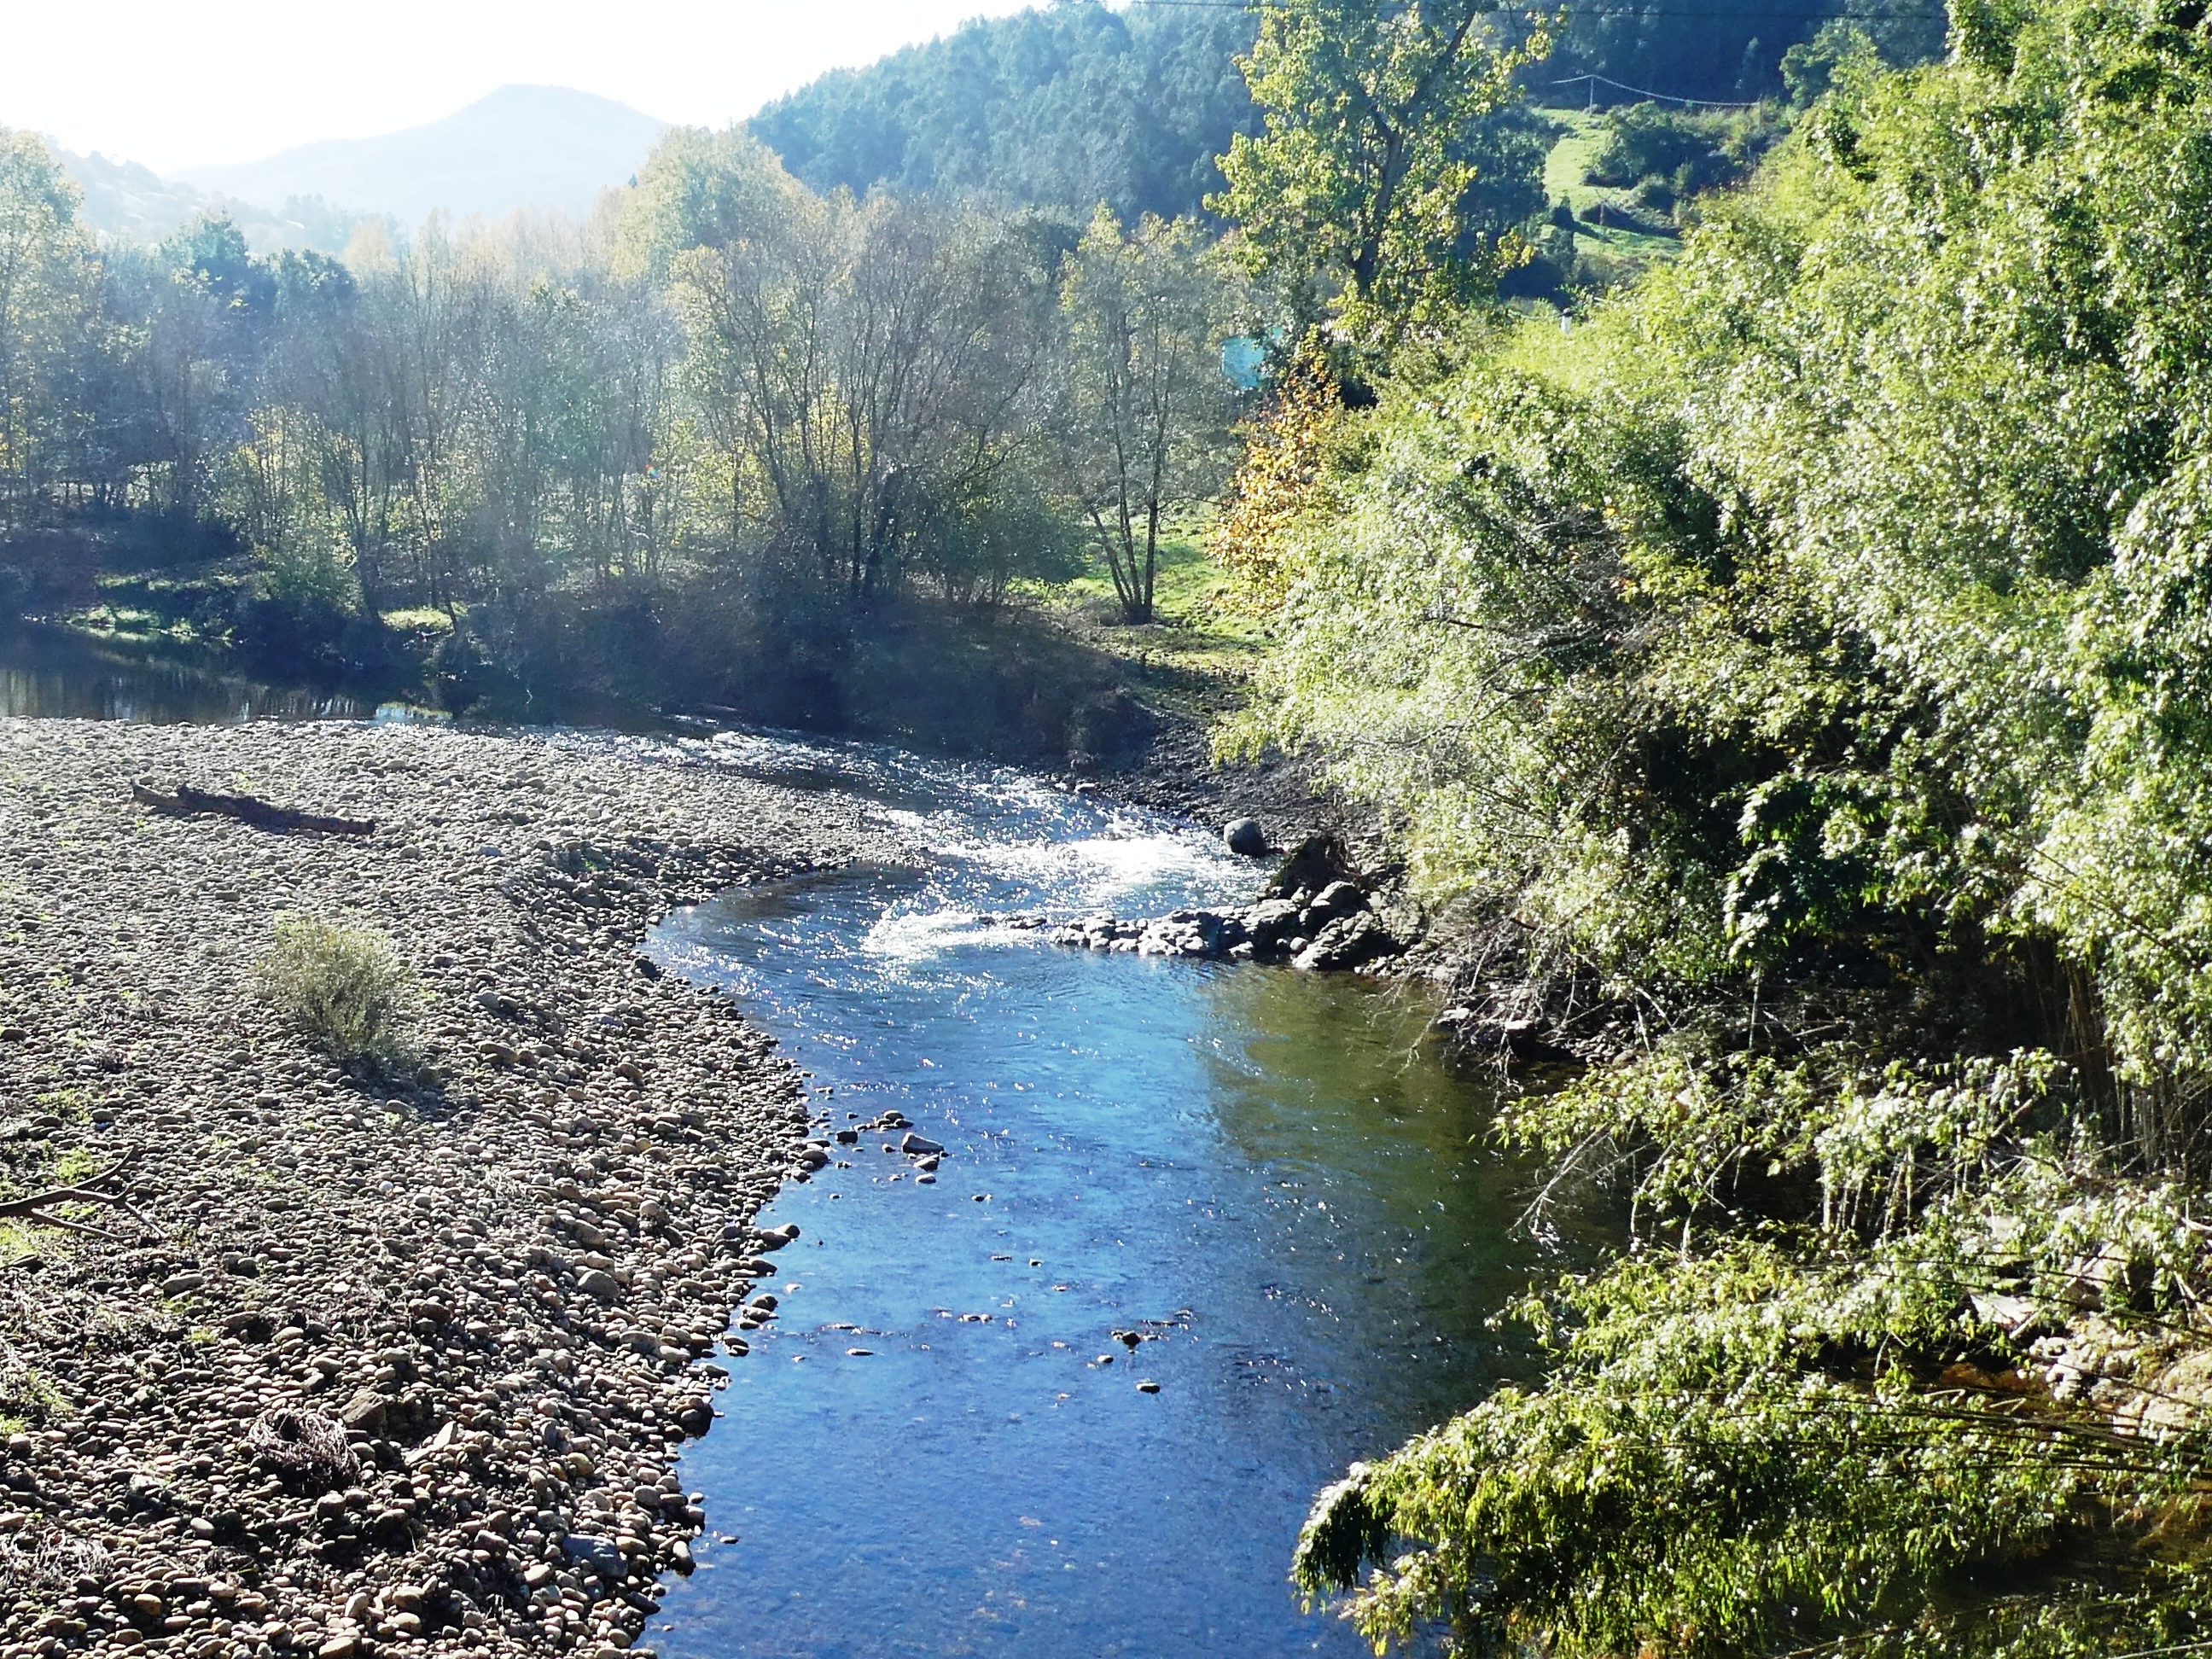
<point>1795,678</point>
<point>1685,151</point>
<point>342,989</point>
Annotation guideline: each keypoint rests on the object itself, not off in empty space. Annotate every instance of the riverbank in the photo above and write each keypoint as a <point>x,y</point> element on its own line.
<point>496,1281</point>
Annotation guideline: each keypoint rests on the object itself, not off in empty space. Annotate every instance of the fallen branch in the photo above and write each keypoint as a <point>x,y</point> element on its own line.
<point>247,809</point>
<point>87,1191</point>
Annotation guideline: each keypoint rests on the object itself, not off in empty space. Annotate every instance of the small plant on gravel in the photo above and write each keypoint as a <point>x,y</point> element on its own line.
<point>53,1559</point>
<point>343,988</point>
<point>304,1445</point>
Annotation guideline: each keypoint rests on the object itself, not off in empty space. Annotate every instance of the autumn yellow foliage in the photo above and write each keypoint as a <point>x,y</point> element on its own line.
<point>1287,445</point>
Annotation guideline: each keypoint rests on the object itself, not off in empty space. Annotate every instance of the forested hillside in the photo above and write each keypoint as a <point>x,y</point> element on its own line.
<point>1067,107</point>
<point>1077,104</point>
<point>1693,49</point>
<point>125,200</point>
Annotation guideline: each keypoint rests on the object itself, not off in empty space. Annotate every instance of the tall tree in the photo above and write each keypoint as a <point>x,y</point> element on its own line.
<point>1149,403</point>
<point>43,281</point>
<point>207,308</point>
<point>1357,189</point>
<point>864,369</point>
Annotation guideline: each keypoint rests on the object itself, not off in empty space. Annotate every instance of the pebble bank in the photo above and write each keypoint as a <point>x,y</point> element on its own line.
<point>369,1368</point>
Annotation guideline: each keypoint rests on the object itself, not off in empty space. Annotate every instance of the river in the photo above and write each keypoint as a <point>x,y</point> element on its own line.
<point>1202,1235</point>
<point>940,1447</point>
<point>46,672</point>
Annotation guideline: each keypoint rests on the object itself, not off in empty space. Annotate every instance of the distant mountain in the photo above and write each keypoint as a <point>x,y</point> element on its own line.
<point>542,147</point>
<point>133,203</point>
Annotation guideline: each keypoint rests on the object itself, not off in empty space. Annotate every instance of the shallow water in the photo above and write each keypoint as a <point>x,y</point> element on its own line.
<point>48,673</point>
<point>1265,1172</point>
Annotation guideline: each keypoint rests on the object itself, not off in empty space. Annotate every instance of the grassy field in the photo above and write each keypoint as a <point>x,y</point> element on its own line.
<point>1565,178</point>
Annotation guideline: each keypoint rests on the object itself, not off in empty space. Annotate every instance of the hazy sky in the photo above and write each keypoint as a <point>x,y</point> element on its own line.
<point>174,85</point>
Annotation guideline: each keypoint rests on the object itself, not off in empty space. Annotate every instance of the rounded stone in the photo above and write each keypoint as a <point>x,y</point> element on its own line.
<point>1245,838</point>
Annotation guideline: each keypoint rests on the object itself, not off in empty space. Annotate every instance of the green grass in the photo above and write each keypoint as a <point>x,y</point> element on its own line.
<point>121,619</point>
<point>421,621</point>
<point>1565,168</point>
<point>127,582</point>
<point>1566,175</point>
<point>1198,651</point>
<point>135,608</point>
<point>19,1239</point>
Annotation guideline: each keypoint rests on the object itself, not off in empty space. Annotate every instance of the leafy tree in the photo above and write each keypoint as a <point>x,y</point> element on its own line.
<point>1148,402</point>
<point>1811,67</point>
<point>43,283</point>
<point>867,372</point>
<point>1282,477</point>
<point>698,189</point>
<point>212,254</point>
<point>1359,182</point>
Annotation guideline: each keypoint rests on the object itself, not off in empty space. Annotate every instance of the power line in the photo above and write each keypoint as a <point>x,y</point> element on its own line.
<point>1661,97</point>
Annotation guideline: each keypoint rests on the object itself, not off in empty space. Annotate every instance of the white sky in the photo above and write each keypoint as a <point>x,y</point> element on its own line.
<point>176,84</point>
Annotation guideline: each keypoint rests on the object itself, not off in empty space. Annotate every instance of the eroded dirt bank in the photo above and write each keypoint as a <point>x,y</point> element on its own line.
<point>385,1369</point>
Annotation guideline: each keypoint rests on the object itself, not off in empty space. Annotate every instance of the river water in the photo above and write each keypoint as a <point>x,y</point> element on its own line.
<point>940,1448</point>
<point>1268,1179</point>
<point>48,673</point>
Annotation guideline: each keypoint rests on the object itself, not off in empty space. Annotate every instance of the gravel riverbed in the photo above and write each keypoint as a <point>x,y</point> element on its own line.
<point>369,1368</point>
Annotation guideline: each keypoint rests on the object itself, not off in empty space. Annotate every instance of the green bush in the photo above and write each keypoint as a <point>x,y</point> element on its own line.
<point>1698,152</point>
<point>1803,661</point>
<point>1643,140</point>
<point>343,988</point>
<point>310,573</point>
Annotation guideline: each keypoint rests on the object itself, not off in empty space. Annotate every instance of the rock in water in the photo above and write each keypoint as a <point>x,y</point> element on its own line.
<point>1347,942</point>
<point>1245,838</point>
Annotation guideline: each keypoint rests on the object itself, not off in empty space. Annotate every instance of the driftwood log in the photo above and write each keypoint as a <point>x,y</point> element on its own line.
<point>247,809</point>
<point>105,1187</point>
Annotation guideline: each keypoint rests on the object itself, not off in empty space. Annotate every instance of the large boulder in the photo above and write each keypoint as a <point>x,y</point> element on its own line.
<point>1347,942</point>
<point>1311,866</point>
<point>1245,838</point>
<point>1272,923</point>
<point>1338,899</point>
